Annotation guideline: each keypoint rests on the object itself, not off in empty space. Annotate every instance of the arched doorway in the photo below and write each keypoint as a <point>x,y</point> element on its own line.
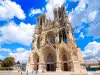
<point>50,63</point>
<point>36,61</point>
<point>65,65</point>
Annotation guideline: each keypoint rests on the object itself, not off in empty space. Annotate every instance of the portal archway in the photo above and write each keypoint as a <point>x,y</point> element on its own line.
<point>50,63</point>
<point>49,56</point>
<point>36,61</point>
<point>65,65</point>
<point>64,59</point>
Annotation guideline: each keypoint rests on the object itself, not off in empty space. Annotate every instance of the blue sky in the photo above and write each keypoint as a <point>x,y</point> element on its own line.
<point>18,20</point>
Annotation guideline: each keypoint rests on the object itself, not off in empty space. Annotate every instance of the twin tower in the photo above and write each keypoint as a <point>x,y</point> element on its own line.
<point>54,47</point>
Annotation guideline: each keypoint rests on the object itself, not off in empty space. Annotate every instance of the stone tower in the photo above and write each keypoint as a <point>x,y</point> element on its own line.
<point>54,47</point>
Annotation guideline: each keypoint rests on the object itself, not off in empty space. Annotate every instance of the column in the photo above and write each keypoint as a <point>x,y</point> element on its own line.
<point>42,66</point>
<point>58,64</point>
<point>29,66</point>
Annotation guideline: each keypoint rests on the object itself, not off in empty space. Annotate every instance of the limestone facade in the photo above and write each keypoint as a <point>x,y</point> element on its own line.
<point>54,47</point>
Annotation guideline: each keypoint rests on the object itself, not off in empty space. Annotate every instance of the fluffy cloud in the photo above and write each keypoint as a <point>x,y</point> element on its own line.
<point>4,52</point>
<point>21,55</point>
<point>1,57</point>
<point>9,10</point>
<point>92,15</point>
<point>51,4</point>
<point>73,0</point>
<point>88,12</point>
<point>78,11</point>
<point>36,11</point>
<point>92,50</point>
<point>94,30</point>
<point>81,35</point>
<point>13,33</point>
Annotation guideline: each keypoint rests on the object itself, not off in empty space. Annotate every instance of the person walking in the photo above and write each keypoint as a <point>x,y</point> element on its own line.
<point>36,71</point>
<point>21,72</point>
<point>18,71</point>
<point>27,72</point>
<point>32,71</point>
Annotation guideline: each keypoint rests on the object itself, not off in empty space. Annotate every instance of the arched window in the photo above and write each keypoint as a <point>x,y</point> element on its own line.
<point>51,38</point>
<point>50,58</point>
<point>59,11</point>
<point>40,21</point>
<point>62,36</point>
<point>64,58</point>
<point>55,14</point>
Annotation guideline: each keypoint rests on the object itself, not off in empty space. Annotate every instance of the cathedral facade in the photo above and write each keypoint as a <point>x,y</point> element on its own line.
<point>54,47</point>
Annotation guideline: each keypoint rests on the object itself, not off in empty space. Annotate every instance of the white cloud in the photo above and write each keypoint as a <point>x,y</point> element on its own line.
<point>2,57</point>
<point>20,50</point>
<point>91,51</point>
<point>9,10</point>
<point>21,55</point>
<point>78,11</point>
<point>81,35</point>
<point>13,33</point>
<point>36,11</point>
<point>73,0</point>
<point>87,11</point>
<point>51,4</point>
<point>92,15</point>
<point>78,29</point>
<point>4,50</point>
<point>94,29</point>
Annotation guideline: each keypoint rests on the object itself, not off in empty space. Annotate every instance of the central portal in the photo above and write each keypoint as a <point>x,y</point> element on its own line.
<point>65,65</point>
<point>50,63</point>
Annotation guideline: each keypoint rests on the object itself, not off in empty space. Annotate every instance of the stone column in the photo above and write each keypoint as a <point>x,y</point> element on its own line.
<point>42,66</point>
<point>29,66</point>
<point>58,64</point>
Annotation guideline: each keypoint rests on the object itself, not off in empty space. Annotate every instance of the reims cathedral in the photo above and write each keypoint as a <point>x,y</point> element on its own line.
<point>54,47</point>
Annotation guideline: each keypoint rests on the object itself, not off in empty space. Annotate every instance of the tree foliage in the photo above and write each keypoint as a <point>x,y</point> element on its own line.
<point>8,62</point>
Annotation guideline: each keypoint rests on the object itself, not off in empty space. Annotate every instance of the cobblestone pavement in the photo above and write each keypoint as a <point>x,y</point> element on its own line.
<point>47,73</point>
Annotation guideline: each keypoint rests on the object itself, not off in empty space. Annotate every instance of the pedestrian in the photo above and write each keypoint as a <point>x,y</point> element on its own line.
<point>21,72</point>
<point>42,71</point>
<point>27,72</point>
<point>32,71</point>
<point>36,71</point>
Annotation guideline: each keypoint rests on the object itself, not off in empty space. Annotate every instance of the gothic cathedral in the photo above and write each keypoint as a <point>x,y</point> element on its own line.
<point>54,47</point>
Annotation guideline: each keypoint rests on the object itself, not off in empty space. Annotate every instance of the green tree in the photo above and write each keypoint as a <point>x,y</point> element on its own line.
<point>8,62</point>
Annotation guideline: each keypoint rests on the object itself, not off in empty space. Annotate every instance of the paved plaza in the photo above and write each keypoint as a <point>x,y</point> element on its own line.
<point>47,73</point>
